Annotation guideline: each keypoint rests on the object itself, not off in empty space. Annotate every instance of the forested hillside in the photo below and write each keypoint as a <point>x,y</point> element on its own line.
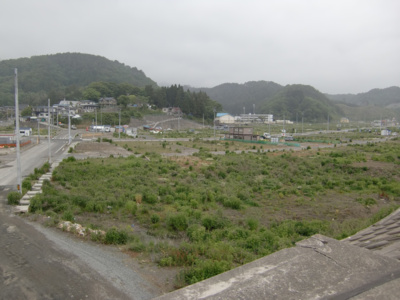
<point>378,97</point>
<point>61,76</point>
<point>297,101</point>
<point>234,96</point>
<point>290,102</point>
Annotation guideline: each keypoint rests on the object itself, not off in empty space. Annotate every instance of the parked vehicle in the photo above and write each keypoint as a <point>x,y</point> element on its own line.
<point>267,135</point>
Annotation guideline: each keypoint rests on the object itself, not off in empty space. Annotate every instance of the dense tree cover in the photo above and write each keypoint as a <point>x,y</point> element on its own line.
<point>62,76</point>
<point>87,77</point>
<point>301,101</point>
<point>378,97</point>
<point>196,104</point>
<point>369,112</point>
<point>234,97</point>
<point>265,97</point>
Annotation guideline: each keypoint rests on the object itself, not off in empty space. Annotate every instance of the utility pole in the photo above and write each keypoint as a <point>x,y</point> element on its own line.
<point>69,125</point>
<point>214,122</point>
<point>48,122</point>
<point>38,130</point>
<point>179,121</point>
<point>19,180</point>
<point>328,123</point>
<point>119,129</point>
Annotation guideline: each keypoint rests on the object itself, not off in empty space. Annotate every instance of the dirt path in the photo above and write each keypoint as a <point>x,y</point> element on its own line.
<point>40,263</point>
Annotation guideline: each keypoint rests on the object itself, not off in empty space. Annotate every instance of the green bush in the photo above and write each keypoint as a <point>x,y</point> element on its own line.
<point>136,245</point>
<point>131,207</point>
<point>212,222</point>
<point>13,198</point>
<point>68,216</point>
<point>27,184</point>
<point>35,204</point>
<point>252,224</point>
<point>177,222</point>
<point>233,203</point>
<point>155,218</point>
<point>116,237</point>
<point>204,269</point>
<point>69,159</point>
<point>196,233</point>
<point>150,198</point>
<point>366,202</point>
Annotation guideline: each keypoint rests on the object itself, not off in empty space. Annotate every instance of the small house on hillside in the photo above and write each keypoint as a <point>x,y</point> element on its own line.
<point>108,101</point>
<point>173,111</point>
<point>224,118</point>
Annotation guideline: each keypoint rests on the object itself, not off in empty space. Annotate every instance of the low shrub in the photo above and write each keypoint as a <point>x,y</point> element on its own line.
<point>233,203</point>
<point>116,236</point>
<point>155,218</point>
<point>68,216</point>
<point>35,204</point>
<point>27,184</point>
<point>177,222</point>
<point>13,198</point>
<point>204,269</point>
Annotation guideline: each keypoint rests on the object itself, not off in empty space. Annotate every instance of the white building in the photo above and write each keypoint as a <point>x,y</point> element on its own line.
<point>256,118</point>
<point>224,118</point>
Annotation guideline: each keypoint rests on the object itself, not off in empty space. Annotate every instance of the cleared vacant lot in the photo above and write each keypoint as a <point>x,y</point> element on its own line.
<point>199,215</point>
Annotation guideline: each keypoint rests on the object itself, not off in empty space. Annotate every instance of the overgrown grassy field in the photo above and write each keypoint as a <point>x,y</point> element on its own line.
<point>206,214</point>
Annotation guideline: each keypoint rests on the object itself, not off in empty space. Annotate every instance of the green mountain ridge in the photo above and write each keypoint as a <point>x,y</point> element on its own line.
<point>301,101</point>
<point>265,97</point>
<point>56,75</point>
<point>66,75</point>
<point>297,101</point>
<point>378,97</point>
<point>234,96</point>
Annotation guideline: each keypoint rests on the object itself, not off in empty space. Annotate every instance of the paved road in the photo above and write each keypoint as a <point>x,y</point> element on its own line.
<point>40,263</point>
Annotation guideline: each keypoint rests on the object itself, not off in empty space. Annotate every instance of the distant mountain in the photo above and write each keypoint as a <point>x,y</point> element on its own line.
<point>42,76</point>
<point>289,102</point>
<point>297,101</point>
<point>234,96</point>
<point>388,97</point>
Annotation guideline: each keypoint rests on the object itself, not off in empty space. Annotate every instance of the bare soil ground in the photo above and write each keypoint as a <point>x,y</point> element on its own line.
<point>104,149</point>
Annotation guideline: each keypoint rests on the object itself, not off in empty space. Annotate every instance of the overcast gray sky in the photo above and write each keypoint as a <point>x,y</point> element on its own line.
<point>337,46</point>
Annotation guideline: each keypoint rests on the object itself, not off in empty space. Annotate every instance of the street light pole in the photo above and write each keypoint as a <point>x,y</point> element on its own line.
<point>48,121</point>
<point>69,125</point>
<point>214,122</point>
<point>119,129</point>
<point>19,180</point>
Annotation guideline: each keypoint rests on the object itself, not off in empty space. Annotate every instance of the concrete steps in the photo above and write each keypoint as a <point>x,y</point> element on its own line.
<point>36,189</point>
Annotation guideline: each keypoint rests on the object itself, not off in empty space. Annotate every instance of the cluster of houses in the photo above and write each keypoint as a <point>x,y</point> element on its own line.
<point>384,123</point>
<point>73,108</point>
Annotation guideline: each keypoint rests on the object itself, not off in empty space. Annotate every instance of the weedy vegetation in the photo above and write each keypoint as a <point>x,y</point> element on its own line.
<point>206,214</point>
